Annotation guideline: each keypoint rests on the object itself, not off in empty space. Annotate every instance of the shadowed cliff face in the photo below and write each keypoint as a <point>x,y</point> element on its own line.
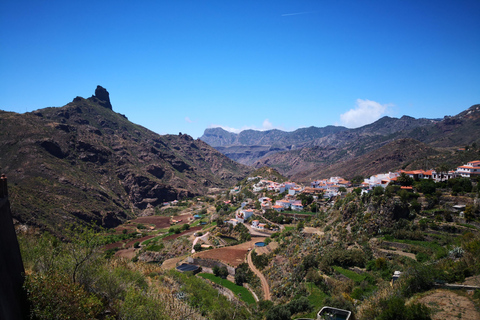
<point>12,298</point>
<point>84,161</point>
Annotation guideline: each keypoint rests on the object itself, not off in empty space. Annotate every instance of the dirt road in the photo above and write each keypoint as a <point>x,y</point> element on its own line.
<point>265,287</point>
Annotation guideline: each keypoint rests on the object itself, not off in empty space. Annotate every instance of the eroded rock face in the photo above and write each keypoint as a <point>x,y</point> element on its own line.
<point>103,96</point>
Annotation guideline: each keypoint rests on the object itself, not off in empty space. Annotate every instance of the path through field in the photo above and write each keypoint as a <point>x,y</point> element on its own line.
<point>265,287</point>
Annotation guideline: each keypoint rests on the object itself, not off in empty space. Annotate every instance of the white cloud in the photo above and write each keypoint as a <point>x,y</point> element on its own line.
<point>296,13</point>
<point>266,125</point>
<point>187,119</point>
<point>365,112</point>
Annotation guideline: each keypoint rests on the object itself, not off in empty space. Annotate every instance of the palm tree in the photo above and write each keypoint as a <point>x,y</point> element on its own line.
<point>442,169</point>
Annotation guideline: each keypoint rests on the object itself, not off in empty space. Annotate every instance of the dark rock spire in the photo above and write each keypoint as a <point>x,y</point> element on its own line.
<point>103,96</point>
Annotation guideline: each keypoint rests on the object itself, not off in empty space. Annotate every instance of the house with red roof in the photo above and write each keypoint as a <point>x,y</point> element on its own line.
<point>471,169</point>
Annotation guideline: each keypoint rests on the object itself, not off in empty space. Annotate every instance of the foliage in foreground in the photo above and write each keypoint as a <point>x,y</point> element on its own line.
<point>75,281</point>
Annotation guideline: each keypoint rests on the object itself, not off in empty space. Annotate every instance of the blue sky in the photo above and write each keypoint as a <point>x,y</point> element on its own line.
<point>183,66</point>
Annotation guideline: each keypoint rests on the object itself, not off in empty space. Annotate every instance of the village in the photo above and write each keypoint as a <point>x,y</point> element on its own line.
<point>331,188</point>
<point>229,231</point>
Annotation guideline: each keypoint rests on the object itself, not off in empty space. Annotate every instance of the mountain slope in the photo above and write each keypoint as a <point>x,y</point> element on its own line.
<point>251,145</point>
<point>396,155</point>
<point>218,137</point>
<point>353,152</point>
<point>84,161</point>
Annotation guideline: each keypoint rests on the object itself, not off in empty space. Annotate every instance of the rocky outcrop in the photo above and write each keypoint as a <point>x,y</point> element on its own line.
<point>102,97</point>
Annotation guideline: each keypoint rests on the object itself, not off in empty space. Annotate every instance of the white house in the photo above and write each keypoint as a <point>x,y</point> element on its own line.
<point>471,169</point>
<point>294,190</point>
<point>284,203</point>
<point>243,215</point>
<point>297,205</point>
<point>278,208</point>
<point>382,179</point>
<point>233,221</point>
<point>258,188</point>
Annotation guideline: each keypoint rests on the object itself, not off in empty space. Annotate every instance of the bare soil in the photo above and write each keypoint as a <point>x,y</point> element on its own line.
<point>400,253</point>
<point>472,281</point>
<point>311,230</point>
<point>126,253</point>
<point>175,236</point>
<point>160,222</point>
<point>447,304</point>
<point>233,256</point>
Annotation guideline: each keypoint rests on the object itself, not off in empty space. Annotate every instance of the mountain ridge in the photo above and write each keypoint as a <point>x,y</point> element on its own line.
<point>303,159</point>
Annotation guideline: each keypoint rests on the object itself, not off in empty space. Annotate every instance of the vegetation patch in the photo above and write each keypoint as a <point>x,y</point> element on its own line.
<point>239,291</point>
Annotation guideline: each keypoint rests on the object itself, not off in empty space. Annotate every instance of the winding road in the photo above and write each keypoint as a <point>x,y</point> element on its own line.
<point>265,287</point>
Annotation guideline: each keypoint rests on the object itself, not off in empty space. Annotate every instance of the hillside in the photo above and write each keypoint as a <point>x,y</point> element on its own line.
<point>250,145</point>
<point>218,137</point>
<point>396,155</point>
<point>84,161</point>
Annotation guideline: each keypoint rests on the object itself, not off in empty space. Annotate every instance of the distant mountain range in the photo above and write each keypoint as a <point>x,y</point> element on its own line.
<point>85,161</point>
<point>311,153</point>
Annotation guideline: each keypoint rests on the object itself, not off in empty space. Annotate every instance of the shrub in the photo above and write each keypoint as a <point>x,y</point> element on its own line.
<point>155,247</point>
<point>378,191</point>
<point>278,313</point>
<point>221,272</point>
<point>55,296</point>
<point>197,247</point>
<point>299,305</point>
<point>140,306</point>
<point>395,309</point>
<point>417,279</point>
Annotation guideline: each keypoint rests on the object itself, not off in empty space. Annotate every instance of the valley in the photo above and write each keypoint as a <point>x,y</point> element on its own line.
<point>339,250</point>
<point>374,221</point>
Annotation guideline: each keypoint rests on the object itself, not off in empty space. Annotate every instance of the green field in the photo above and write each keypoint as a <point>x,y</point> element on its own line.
<point>350,274</point>
<point>240,291</point>
<point>316,298</point>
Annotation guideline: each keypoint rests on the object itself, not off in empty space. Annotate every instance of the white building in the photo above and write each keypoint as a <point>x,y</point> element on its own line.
<point>471,169</point>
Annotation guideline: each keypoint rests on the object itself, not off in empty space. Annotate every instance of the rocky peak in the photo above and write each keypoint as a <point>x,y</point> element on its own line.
<point>102,97</point>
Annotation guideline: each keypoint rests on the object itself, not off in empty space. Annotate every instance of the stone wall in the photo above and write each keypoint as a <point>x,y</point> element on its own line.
<point>210,264</point>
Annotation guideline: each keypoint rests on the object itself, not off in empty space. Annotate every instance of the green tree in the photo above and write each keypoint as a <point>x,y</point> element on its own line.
<point>405,180</point>
<point>240,277</point>
<point>469,213</point>
<point>278,313</point>
<point>223,272</point>
<point>378,191</point>
<point>395,309</point>
<point>299,305</point>
<point>357,180</point>
<point>84,247</point>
